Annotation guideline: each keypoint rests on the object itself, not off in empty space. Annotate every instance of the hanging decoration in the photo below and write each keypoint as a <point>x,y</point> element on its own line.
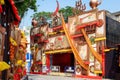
<point>12,51</point>
<point>13,42</point>
<point>15,11</point>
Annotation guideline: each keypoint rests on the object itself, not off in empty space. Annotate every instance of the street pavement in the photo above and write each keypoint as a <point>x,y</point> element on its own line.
<point>48,77</point>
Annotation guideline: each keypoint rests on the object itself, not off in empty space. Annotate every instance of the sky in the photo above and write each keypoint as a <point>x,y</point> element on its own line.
<point>50,5</point>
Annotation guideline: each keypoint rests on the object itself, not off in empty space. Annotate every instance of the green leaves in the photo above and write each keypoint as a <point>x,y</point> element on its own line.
<point>24,5</point>
<point>67,11</point>
<point>47,15</point>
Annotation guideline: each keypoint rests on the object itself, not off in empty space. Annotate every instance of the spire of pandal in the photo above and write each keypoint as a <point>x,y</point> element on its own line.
<point>79,6</point>
<point>57,9</point>
<point>94,3</point>
<point>56,16</point>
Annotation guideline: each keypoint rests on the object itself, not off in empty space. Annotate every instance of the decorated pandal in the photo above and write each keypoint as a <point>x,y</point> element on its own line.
<point>77,48</point>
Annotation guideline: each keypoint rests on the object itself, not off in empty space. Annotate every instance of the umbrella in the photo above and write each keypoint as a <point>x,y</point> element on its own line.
<point>4,66</point>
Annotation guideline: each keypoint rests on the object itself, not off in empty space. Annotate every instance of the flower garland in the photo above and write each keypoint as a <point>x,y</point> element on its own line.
<point>13,44</point>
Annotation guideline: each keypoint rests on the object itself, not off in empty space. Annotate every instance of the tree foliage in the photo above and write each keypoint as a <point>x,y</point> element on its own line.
<point>67,11</point>
<point>23,5</point>
<point>47,15</point>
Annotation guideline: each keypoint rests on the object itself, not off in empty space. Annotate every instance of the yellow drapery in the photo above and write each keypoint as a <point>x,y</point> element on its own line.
<point>4,66</point>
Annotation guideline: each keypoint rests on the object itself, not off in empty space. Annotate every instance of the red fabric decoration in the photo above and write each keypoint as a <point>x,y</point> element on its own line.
<point>15,11</point>
<point>16,22</point>
<point>59,38</point>
<point>19,70</point>
<point>24,72</point>
<point>1,9</point>
<point>16,76</point>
